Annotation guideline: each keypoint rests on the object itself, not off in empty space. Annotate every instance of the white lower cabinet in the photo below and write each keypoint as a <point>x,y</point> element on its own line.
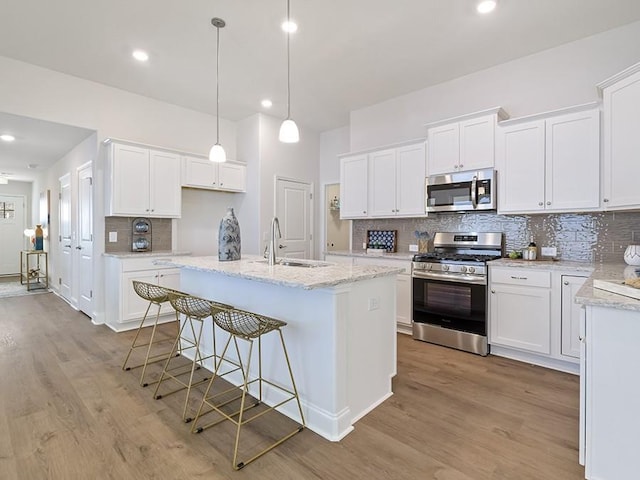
<point>533,316</point>
<point>403,284</point>
<point>124,308</point>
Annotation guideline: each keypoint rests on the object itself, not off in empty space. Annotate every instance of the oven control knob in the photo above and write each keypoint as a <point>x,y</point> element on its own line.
<point>429,266</point>
<point>463,269</point>
<point>472,269</point>
<point>445,268</point>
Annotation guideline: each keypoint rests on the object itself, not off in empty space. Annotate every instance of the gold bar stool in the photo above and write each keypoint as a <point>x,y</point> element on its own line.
<point>195,310</point>
<point>155,295</point>
<point>247,326</point>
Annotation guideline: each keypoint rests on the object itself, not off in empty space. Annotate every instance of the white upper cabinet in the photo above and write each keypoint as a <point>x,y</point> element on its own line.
<point>621,161</point>
<point>354,186</point>
<point>549,163</point>
<point>199,172</point>
<point>463,144</point>
<point>384,183</point>
<point>142,182</point>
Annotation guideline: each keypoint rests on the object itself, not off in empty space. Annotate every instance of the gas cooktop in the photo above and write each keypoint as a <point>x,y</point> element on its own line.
<point>454,257</point>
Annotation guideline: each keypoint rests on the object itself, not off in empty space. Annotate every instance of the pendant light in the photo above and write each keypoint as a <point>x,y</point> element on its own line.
<point>217,153</point>
<point>289,130</point>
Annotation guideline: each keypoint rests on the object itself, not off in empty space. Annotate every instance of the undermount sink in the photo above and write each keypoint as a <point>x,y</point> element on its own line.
<point>296,263</point>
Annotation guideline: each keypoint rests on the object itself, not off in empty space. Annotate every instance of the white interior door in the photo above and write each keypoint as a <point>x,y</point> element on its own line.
<point>65,271</point>
<point>12,225</point>
<point>84,248</point>
<point>293,209</point>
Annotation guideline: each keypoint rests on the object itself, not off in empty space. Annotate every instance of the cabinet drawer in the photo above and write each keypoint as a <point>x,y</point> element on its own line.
<point>521,276</point>
<point>135,264</point>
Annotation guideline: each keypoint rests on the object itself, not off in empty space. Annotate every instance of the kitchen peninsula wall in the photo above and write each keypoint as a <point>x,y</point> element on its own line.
<point>160,234</point>
<point>590,237</point>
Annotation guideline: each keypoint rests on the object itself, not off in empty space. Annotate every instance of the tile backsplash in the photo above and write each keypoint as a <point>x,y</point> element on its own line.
<point>160,234</point>
<point>590,237</point>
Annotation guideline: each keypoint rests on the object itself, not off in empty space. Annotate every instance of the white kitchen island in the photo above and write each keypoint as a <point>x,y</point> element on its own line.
<point>341,332</point>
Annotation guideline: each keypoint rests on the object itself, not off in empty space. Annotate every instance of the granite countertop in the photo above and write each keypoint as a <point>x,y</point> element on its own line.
<point>544,264</point>
<point>254,267</point>
<point>588,295</point>
<point>158,253</point>
<point>362,253</point>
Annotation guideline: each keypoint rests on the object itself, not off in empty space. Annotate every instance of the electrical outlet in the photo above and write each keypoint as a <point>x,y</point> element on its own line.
<point>374,303</point>
<point>413,248</point>
<point>113,237</point>
<point>548,251</point>
<point>364,245</point>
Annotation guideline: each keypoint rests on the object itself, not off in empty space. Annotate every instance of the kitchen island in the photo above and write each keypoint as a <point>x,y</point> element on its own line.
<point>610,374</point>
<point>340,335</point>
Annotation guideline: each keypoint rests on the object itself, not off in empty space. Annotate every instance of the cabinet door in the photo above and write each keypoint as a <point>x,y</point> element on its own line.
<point>199,172</point>
<point>410,180</point>
<point>353,186</point>
<point>232,177</point>
<point>129,180</point>
<point>403,300</point>
<point>622,144</point>
<point>382,185</point>
<point>444,149</point>
<point>520,161</point>
<point>572,172</point>
<point>166,196</point>
<point>477,143</point>
<point>520,317</point>
<point>134,306</point>
<point>170,278</point>
<point>572,316</point>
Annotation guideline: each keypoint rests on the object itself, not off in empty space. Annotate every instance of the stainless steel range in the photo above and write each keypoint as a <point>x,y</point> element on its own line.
<point>450,290</point>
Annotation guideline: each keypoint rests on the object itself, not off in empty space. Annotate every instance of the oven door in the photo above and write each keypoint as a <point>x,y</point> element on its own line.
<point>461,192</point>
<point>450,304</point>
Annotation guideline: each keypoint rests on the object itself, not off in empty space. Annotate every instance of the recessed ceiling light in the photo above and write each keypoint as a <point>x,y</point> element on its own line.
<point>140,55</point>
<point>486,6</point>
<point>7,137</point>
<point>32,166</point>
<point>266,103</point>
<point>289,26</point>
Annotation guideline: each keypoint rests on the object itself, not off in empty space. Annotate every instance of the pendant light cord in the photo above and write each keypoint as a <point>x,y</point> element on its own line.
<point>217,85</point>
<point>288,60</point>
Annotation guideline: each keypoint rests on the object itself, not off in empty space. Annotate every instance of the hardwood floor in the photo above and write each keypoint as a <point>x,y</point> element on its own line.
<point>67,411</point>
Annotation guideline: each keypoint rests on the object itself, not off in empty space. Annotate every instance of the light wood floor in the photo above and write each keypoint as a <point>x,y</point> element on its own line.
<point>67,411</point>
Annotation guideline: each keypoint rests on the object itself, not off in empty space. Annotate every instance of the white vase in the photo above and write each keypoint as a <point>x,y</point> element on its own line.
<point>229,237</point>
<point>632,255</point>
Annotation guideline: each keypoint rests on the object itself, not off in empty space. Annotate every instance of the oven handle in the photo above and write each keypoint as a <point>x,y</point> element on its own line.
<point>447,277</point>
<point>474,192</point>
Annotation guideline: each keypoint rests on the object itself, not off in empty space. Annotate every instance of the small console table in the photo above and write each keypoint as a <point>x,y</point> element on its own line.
<point>34,269</point>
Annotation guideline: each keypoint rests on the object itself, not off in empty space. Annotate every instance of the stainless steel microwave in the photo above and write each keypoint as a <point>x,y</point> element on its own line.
<point>462,191</point>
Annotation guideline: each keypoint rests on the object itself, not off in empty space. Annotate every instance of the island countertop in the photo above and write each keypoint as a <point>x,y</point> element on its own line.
<point>589,295</point>
<point>254,267</point>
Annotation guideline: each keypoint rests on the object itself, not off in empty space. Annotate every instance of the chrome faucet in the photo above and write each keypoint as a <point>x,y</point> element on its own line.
<point>270,251</point>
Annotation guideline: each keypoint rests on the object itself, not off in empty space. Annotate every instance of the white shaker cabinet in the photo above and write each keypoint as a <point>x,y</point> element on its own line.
<point>123,307</point>
<point>463,144</point>
<point>397,182</point>
<point>142,182</point>
<point>354,186</point>
<point>621,159</point>
<point>201,173</point>
<point>520,309</point>
<point>550,163</point>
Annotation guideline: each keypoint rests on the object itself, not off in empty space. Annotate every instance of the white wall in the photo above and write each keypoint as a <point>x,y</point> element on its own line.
<point>556,78</point>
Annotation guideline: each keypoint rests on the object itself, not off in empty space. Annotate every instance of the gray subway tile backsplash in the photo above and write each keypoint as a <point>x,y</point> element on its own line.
<point>160,234</point>
<point>590,237</point>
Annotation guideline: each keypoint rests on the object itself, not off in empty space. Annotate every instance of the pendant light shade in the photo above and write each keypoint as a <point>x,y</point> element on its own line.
<point>289,130</point>
<point>217,153</point>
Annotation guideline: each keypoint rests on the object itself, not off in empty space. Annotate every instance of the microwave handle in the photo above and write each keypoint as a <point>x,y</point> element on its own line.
<point>474,192</point>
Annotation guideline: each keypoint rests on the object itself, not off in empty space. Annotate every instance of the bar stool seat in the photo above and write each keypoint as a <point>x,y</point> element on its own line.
<point>247,326</point>
<point>158,296</point>
<point>195,310</point>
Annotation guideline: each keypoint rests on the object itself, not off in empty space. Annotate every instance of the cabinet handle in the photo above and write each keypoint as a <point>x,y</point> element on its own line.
<point>540,204</point>
<point>364,211</point>
<point>566,283</point>
<point>605,200</point>
<point>548,203</point>
<point>455,167</point>
<point>493,291</point>
<point>78,247</point>
<point>581,338</point>
<point>518,278</point>
<point>461,165</point>
<point>221,184</point>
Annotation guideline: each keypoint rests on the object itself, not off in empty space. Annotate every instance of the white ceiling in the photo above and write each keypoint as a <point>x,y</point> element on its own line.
<point>346,54</point>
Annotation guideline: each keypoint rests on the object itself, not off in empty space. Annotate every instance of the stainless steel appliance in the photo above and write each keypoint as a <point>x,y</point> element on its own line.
<point>462,191</point>
<point>450,290</point>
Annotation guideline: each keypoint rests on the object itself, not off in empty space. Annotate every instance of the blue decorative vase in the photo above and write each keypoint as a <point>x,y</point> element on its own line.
<point>229,237</point>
